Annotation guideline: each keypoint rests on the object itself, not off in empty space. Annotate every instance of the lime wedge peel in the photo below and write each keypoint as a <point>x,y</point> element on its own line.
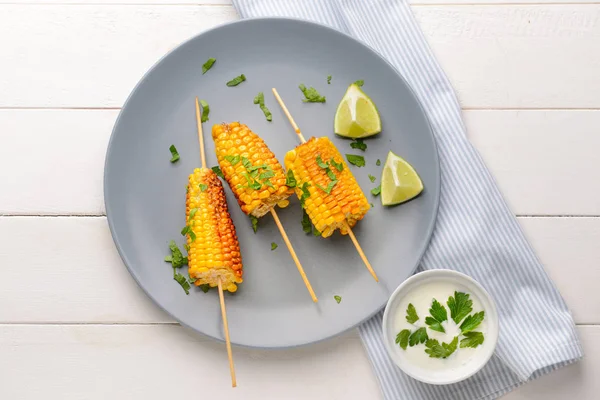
<point>399,181</point>
<point>356,115</point>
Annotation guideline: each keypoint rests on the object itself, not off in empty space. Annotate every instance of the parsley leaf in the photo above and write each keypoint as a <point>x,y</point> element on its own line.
<point>217,170</point>
<point>328,79</point>
<point>330,174</point>
<point>328,188</point>
<point>338,166</point>
<point>311,95</point>
<point>169,259</point>
<point>205,111</point>
<point>435,350</point>
<point>246,163</point>
<point>205,288</point>
<point>315,231</point>
<point>193,212</point>
<point>411,314</point>
<point>460,306</point>
<point>376,191</point>
<point>254,222</point>
<point>358,144</point>
<point>320,162</point>
<point>237,80</point>
<point>359,161</point>
<point>402,338</point>
<point>290,179</point>
<point>472,322</point>
<point>266,175</point>
<point>208,65</point>
<point>472,339</point>
<point>378,162</point>
<point>372,178</point>
<point>306,224</point>
<point>203,187</point>
<point>338,298</point>
<point>260,100</point>
<point>174,153</point>
<point>438,311</point>
<point>305,193</point>
<point>418,336</point>
<point>177,259</point>
<point>434,324</point>
<point>273,246</point>
<point>233,160</point>
<point>359,82</point>
<point>182,281</point>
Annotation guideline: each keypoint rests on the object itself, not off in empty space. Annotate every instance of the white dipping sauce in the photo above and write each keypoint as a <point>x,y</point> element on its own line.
<point>421,296</point>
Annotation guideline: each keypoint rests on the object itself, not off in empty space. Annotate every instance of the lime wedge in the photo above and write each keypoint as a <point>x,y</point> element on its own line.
<point>399,181</point>
<point>356,115</point>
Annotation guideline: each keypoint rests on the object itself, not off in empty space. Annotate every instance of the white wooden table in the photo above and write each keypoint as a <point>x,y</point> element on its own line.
<point>74,325</point>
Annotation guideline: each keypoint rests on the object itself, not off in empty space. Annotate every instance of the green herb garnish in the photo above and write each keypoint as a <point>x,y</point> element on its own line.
<point>205,288</point>
<point>328,188</point>
<point>203,187</point>
<point>402,338</point>
<point>328,79</point>
<point>315,231</point>
<point>311,95</point>
<point>246,163</point>
<point>472,339</point>
<point>359,161</point>
<point>260,100</point>
<point>233,160</point>
<point>472,322</point>
<point>205,110</point>
<point>411,314</point>
<point>320,162</point>
<point>174,153</point>
<point>305,193</point>
<point>306,224</point>
<point>438,315</point>
<point>359,82</point>
<point>338,298</point>
<point>376,191</point>
<point>273,246</point>
<point>358,144</point>
<point>435,350</point>
<point>187,230</point>
<point>169,259</point>
<point>330,174</point>
<point>372,178</point>
<point>254,222</point>
<point>460,306</point>
<point>218,171</point>
<point>290,179</point>
<point>208,65</point>
<point>193,211</point>
<point>378,162</point>
<point>177,259</point>
<point>371,204</point>
<point>266,175</point>
<point>418,336</point>
<point>237,80</point>
<point>182,281</point>
<point>338,166</point>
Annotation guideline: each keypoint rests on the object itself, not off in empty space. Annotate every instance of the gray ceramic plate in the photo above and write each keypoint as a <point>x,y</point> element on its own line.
<point>145,193</point>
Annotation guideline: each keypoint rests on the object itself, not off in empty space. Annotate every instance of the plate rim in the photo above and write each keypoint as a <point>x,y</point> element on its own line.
<point>226,25</point>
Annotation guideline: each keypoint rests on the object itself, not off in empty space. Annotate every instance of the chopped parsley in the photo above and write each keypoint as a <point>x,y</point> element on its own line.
<point>359,82</point>
<point>203,187</point>
<point>260,100</point>
<point>246,163</point>
<point>182,281</point>
<point>320,162</point>
<point>460,306</point>
<point>472,322</point>
<point>358,144</point>
<point>193,211</point>
<point>187,230</point>
<point>205,288</point>
<point>378,162</point>
<point>174,153</point>
<point>338,166</point>
<point>359,161</point>
<point>305,193</point>
<point>311,95</point>
<point>254,222</point>
<point>315,231</point>
<point>306,224</point>
<point>328,188</point>
<point>273,246</point>
<point>217,170</point>
<point>435,350</point>
<point>376,191</point>
<point>338,299</point>
<point>205,110</point>
<point>472,339</point>
<point>330,174</point>
<point>372,178</point>
<point>402,338</point>
<point>411,314</point>
<point>208,65</point>
<point>237,80</point>
<point>233,160</point>
<point>290,179</point>
<point>371,204</point>
<point>418,336</point>
<point>328,79</point>
<point>176,259</point>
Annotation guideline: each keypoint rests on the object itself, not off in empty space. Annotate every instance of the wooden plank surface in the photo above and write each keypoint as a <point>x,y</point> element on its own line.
<point>157,362</point>
<point>486,50</point>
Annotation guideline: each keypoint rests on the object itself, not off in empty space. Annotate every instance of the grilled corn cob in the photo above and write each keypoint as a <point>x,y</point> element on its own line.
<point>251,169</point>
<point>319,168</point>
<point>214,251</point>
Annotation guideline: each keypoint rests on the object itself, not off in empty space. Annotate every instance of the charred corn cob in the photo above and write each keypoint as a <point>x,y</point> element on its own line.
<point>251,169</point>
<point>325,186</point>
<point>214,251</point>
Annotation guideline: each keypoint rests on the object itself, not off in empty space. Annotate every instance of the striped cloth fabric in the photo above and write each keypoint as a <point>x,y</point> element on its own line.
<point>476,233</point>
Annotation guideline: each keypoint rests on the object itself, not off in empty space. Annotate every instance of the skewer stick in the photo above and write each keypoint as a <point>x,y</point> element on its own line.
<point>294,256</point>
<point>301,137</point>
<point>220,285</point>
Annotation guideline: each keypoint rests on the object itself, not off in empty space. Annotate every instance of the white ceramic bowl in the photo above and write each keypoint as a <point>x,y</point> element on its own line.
<point>441,377</point>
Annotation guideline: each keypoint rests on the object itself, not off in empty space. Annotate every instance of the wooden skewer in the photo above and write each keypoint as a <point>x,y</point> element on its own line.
<point>301,137</point>
<point>220,285</point>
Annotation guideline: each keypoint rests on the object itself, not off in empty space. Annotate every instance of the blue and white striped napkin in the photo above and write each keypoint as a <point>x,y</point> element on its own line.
<point>476,233</point>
